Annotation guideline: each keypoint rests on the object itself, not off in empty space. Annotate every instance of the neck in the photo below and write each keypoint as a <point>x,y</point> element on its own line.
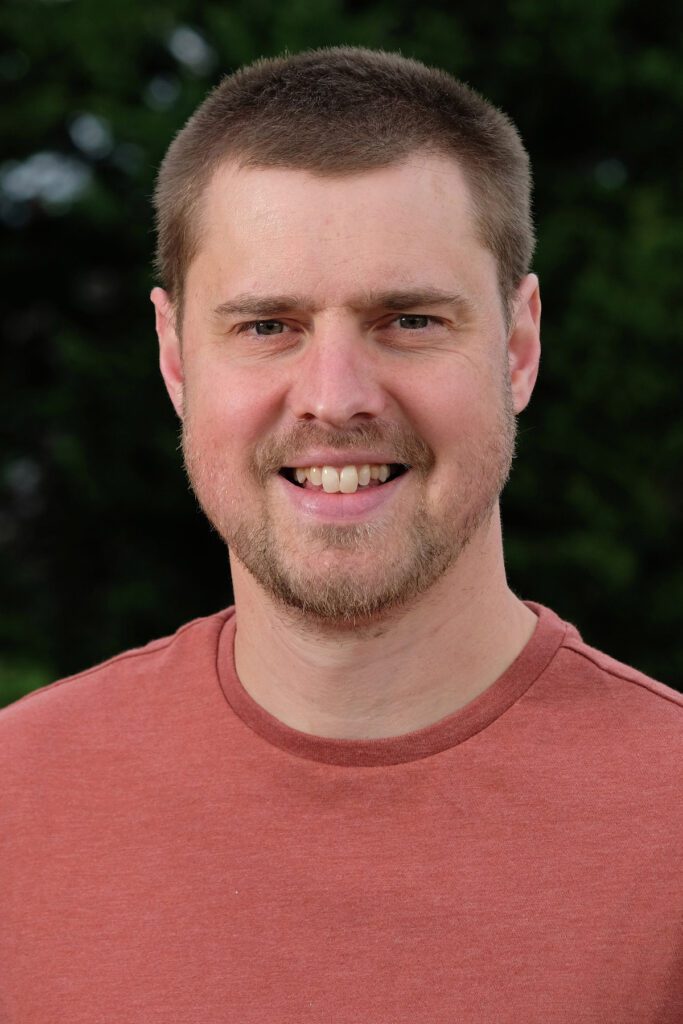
<point>412,670</point>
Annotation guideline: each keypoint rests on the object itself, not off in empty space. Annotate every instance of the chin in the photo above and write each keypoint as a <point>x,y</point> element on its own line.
<point>348,588</point>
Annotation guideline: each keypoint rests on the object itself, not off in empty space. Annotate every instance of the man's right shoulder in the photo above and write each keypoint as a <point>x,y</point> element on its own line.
<point>132,676</point>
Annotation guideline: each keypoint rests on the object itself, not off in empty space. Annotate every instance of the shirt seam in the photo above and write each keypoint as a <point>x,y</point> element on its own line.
<point>158,647</point>
<point>293,752</point>
<point>618,675</point>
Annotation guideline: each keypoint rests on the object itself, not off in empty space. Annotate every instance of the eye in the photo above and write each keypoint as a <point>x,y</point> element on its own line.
<point>264,327</point>
<point>413,321</point>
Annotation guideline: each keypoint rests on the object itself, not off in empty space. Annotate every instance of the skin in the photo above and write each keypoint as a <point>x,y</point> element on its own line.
<point>386,623</point>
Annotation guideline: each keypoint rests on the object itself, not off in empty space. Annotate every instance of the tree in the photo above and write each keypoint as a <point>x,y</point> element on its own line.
<point>102,546</point>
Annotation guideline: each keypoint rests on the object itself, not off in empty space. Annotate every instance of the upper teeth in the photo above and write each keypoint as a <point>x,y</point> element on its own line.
<point>346,480</point>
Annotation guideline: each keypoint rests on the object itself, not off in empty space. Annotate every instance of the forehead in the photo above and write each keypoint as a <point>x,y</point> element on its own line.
<point>270,227</point>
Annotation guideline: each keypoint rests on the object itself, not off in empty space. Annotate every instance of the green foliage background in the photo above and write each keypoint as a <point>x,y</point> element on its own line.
<point>101,544</point>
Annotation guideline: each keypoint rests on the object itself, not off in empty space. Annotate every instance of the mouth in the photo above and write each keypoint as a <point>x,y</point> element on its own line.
<point>343,479</point>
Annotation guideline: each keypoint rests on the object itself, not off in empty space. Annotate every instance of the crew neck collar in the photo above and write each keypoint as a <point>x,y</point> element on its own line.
<point>535,656</point>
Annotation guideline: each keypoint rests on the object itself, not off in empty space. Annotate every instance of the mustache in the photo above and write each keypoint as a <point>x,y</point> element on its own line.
<point>406,447</point>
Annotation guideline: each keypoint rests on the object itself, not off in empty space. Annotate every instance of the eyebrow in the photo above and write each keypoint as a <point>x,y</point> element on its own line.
<point>266,306</point>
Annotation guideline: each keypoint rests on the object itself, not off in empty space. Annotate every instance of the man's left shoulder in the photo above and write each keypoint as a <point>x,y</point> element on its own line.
<point>627,680</point>
<point>640,711</point>
<point>626,677</point>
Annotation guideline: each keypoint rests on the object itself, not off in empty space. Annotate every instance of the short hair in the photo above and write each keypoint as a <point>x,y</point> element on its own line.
<point>339,111</point>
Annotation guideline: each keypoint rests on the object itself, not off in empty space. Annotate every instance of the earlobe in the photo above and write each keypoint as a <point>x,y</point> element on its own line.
<point>524,344</point>
<point>170,352</point>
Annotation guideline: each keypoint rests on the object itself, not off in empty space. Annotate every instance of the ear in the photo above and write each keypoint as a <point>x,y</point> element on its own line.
<point>524,342</point>
<point>170,352</point>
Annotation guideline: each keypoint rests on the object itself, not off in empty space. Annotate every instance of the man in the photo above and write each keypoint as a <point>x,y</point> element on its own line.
<point>382,788</point>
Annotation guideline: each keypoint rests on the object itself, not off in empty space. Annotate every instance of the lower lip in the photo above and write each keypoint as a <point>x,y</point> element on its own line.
<point>323,507</point>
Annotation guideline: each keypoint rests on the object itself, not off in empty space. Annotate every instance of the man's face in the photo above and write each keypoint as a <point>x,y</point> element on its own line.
<point>337,322</point>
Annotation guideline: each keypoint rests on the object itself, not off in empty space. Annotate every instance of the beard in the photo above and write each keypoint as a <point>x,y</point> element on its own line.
<point>350,576</point>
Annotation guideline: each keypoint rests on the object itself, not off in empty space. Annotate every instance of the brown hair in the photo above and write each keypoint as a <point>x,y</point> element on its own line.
<point>340,111</point>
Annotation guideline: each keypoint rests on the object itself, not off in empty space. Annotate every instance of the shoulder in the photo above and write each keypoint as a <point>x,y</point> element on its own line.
<point>616,722</point>
<point>623,680</point>
<point>636,717</point>
<point>608,737</point>
<point>97,693</point>
<point>587,670</point>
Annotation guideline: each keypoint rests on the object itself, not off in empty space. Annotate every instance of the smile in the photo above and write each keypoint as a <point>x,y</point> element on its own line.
<point>312,501</point>
<point>346,479</point>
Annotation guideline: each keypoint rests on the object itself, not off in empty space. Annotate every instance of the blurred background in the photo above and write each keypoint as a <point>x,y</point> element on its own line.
<point>101,544</point>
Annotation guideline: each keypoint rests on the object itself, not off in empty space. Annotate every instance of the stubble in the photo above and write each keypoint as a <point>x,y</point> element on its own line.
<point>325,589</point>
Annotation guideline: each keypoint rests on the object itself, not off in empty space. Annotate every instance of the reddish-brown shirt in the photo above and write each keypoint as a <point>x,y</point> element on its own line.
<point>170,852</point>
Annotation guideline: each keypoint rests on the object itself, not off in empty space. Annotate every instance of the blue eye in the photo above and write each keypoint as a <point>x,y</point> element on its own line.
<point>267,327</point>
<point>413,322</point>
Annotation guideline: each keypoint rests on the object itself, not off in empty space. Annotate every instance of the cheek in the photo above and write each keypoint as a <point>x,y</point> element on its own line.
<point>446,415</point>
<point>227,412</point>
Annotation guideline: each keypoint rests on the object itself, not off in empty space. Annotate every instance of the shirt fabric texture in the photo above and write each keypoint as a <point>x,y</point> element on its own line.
<point>171,852</point>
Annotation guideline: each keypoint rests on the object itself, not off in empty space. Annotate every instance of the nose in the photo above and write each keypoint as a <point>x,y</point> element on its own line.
<point>337,379</point>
